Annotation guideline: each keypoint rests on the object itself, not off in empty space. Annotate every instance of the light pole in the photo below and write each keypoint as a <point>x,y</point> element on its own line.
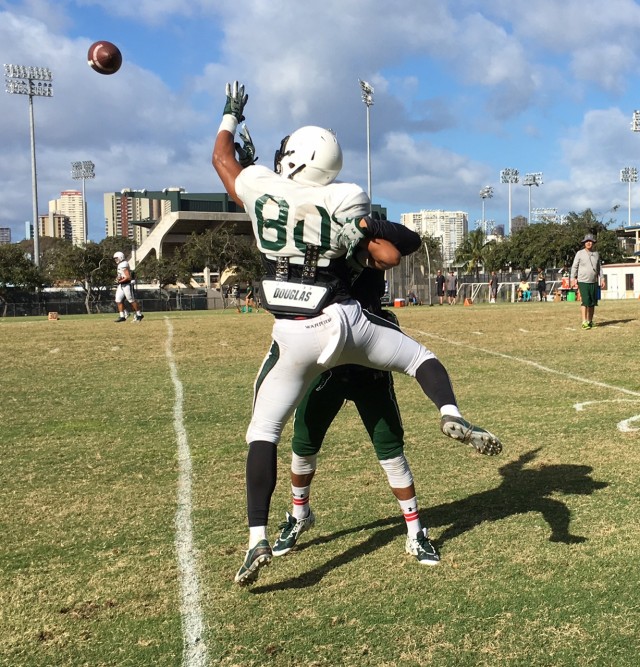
<point>509,176</point>
<point>485,193</point>
<point>529,180</point>
<point>21,80</point>
<point>629,175</point>
<point>83,170</point>
<point>367,98</point>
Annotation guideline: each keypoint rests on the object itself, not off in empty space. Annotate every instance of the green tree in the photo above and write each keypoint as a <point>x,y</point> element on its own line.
<point>166,270</point>
<point>472,252</point>
<point>220,249</point>
<point>16,271</point>
<point>551,245</point>
<point>430,253</point>
<point>90,267</point>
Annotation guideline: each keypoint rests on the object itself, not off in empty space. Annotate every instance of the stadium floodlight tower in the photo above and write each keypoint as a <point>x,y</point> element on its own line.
<point>30,81</point>
<point>509,176</point>
<point>629,175</point>
<point>82,171</point>
<point>529,180</point>
<point>367,98</point>
<point>635,121</point>
<point>485,193</point>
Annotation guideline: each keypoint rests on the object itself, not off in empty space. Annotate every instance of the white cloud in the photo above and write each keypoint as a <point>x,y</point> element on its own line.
<point>462,90</point>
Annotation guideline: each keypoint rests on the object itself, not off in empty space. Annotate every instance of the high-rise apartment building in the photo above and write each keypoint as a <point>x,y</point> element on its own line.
<point>121,212</point>
<point>450,227</point>
<point>55,225</point>
<point>70,204</point>
<point>518,222</point>
<point>5,235</point>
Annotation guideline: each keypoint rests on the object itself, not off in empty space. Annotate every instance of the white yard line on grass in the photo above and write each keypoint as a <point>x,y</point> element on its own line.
<point>195,650</point>
<point>528,362</point>
<point>625,426</point>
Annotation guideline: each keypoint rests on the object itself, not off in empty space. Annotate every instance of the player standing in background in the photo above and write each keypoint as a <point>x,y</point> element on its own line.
<point>125,290</point>
<point>307,227</point>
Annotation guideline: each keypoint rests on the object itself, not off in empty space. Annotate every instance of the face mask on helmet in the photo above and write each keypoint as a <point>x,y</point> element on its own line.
<point>311,156</point>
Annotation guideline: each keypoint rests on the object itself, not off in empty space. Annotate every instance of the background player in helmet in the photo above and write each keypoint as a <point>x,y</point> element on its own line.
<point>125,290</point>
<point>307,227</point>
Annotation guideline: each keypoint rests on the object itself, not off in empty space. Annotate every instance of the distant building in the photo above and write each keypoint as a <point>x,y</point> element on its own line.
<point>5,235</point>
<point>55,225</point>
<point>450,227</point>
<point>70,204</point>
<point>518,222</point>
<point>122,212</point>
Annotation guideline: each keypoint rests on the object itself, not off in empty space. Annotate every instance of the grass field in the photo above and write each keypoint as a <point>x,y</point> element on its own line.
<point>117,441</point>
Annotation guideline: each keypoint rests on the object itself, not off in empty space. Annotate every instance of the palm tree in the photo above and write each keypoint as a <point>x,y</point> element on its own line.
<point>472,251</point>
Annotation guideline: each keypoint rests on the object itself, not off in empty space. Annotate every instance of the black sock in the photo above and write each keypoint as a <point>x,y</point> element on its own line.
<point>261,474</point>
<point>434,380</point>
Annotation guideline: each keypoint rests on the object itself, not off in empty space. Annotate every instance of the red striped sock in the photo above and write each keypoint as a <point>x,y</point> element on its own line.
<point>300,496</point>
<point>411,515</point>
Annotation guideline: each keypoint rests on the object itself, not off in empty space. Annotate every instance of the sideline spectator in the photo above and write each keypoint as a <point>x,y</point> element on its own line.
<point>452,288</point>
<point>524,290</point>
<point>586,275</point>
<point>542,285</point>
<point>440,281</point>
<point>493,287</point>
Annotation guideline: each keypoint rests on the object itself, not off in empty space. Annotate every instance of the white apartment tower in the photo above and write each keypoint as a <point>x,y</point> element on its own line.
<point>70,205</point>
<point>449,227</point>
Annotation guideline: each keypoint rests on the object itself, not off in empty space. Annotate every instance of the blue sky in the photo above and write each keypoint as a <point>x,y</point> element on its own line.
<point>462,90</point>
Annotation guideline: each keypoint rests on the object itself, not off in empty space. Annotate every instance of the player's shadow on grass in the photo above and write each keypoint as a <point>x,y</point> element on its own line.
<point>609,323</point>
<point>522,490</point>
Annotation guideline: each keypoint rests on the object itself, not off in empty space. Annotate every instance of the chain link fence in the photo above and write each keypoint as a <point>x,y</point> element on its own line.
<point>24,304</point>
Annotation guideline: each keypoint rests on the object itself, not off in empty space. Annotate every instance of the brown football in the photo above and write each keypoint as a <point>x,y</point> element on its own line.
<point>104,57</point>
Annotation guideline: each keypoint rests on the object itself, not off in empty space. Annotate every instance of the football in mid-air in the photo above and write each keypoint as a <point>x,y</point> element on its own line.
<point>104,57</point>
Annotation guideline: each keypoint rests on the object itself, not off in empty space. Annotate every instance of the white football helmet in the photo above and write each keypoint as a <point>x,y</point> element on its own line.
<point>119,256</point>
<point>311,156</point>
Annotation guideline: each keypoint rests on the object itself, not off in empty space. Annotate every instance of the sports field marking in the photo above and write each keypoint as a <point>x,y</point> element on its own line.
<point>194,649</point>
<point>528,362</point>
<point>625,426</point>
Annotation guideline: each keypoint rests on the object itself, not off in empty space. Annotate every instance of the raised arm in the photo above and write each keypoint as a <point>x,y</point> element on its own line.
<point>224,150</point>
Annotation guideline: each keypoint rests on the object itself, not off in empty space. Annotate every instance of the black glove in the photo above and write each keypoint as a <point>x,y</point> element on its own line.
<point>236,101</point>
<point>246,151</point>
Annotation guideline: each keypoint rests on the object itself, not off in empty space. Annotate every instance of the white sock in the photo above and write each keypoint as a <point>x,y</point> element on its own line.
<point>411,516</point>
<point>300,496</point>
<point>256,533</point>
<point>450,411</point>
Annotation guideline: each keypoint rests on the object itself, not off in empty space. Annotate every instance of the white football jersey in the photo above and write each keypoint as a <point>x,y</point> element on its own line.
<point>121,267</point>
<point>291,215</point>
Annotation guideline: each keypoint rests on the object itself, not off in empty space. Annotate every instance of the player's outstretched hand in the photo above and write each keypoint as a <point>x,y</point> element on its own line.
<point>246,151</point>
<point>236,100</point>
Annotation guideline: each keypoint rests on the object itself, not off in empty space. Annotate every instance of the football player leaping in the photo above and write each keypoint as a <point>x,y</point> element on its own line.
<point>307,227</point>
<point>125,289</point>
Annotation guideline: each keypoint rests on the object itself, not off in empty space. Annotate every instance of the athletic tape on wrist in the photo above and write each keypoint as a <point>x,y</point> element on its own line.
<point>229,123</point>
